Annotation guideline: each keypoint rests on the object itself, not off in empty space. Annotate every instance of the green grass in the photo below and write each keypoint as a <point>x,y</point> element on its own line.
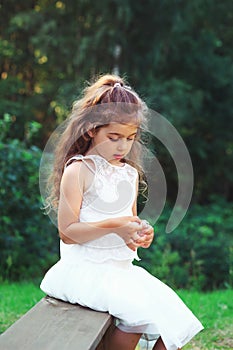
<point>214,309</point>
<point>15,300</point>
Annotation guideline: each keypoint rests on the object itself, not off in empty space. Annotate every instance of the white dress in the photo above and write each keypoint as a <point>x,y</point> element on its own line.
<point>100,275</point>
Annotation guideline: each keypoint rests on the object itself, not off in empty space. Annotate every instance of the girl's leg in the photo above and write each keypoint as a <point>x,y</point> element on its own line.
<point>159,345</point>
<point>120,340</point>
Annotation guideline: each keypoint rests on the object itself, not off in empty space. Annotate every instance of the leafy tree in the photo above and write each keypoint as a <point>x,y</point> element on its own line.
<point>28,241</point>
<point>177,54</point>
<point>199,253</point>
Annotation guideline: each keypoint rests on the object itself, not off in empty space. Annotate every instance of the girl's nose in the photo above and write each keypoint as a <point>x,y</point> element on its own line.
<point>122,145</point>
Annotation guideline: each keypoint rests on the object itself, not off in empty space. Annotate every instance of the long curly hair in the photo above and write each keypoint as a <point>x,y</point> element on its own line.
<point>107,99</point>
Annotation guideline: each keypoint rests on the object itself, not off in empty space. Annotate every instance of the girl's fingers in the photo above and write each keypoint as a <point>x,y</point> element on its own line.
<point>147,231</point>
<point>133,245</point>
<point>142,238</point>
<point>146,240</point>
<point>141,242</point>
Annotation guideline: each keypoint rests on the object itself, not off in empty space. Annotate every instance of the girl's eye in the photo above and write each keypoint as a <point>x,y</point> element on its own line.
<point>117,139</point>
<point>113,140</point>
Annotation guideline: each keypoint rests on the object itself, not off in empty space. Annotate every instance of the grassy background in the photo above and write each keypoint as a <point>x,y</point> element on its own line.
<point>15,300</point>
<point>214,309</point>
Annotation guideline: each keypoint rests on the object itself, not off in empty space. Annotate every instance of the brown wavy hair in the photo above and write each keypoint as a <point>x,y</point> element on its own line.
<point>103,101</point>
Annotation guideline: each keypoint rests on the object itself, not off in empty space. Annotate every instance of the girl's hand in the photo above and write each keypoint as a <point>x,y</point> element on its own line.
<point>146,235</point>
<point>127,228</point>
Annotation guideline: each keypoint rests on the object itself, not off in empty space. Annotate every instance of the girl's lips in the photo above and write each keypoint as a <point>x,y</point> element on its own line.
<point>118,156</point>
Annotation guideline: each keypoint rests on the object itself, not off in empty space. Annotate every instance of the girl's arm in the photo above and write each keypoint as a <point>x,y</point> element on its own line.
<point>147,233</point>
<point>74,181</point>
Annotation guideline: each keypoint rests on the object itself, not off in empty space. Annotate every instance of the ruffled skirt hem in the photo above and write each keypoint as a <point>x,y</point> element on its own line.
<point>139,301</point>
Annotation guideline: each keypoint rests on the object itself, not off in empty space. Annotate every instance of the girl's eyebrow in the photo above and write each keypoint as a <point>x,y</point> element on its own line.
<point>117,134</point>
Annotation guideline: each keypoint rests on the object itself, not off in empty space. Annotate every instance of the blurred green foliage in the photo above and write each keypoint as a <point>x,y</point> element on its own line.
<point>28,240</point>
<point>198,254</point>
<point>178,56</point>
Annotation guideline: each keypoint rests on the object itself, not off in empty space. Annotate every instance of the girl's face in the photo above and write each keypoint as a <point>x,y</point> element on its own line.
<point>113,142</point>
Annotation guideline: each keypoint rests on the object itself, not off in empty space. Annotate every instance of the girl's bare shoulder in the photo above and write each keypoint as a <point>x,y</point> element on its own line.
<point>78,172</point>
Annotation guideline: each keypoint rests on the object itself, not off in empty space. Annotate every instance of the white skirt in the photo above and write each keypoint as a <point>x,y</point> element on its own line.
<point>139,301</point>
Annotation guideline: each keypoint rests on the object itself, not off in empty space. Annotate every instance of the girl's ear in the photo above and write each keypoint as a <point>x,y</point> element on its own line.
<point>91,133</point>
<point>91,130</point>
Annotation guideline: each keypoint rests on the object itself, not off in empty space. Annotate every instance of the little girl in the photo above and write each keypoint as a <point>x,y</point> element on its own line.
<point>94,189</point>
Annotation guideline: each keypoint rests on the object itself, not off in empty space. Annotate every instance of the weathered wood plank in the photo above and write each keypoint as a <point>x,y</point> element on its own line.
<point>53,325</point>
<point>106,340</point>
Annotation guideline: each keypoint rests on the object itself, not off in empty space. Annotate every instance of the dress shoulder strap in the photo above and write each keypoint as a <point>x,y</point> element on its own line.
<point>83,159</point>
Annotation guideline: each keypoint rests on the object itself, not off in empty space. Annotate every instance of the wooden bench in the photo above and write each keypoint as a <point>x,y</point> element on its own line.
<point>56,325</point>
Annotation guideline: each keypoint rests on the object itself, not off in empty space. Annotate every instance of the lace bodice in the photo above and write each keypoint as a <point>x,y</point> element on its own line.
<point>111,194</point>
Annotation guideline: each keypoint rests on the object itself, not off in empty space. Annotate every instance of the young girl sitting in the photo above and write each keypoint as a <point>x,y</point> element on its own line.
<point>94,190</point>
